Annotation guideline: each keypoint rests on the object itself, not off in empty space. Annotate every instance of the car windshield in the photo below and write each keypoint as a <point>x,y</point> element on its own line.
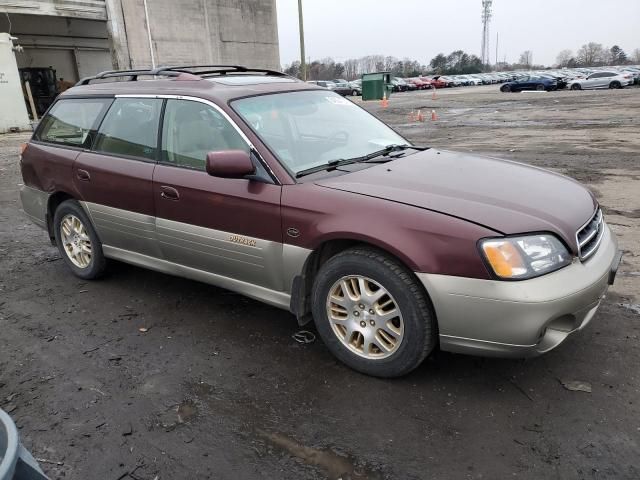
<point>311,128</point>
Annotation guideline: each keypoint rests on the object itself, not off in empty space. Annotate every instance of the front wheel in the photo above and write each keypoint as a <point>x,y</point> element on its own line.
<point>372,313</point>
<point>540,88</point>
<point>615,84</point>
<point>505,88</point>
<point>354,93</point>
<point>576,86</point>
<point>77,241</point>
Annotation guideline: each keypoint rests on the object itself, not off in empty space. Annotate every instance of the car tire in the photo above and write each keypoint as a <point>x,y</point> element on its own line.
<point>576,86</point>
<point>540,88</point>
<point>354,93</point>
<point>354,278</point>
<point>615,84</point>
<point>505,88</point>
<point>78,241</point>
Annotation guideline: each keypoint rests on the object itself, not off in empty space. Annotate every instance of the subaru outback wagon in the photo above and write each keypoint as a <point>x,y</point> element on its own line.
<point>256,182</point>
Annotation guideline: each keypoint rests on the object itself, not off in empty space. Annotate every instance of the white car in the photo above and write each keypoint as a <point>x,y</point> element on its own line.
<point>603,79</point>
<point>473,80</point>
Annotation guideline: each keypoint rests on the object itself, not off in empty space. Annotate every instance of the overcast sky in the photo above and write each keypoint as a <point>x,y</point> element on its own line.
<point>420,29</point>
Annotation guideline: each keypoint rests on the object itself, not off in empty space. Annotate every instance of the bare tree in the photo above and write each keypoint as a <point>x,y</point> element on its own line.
<point>635,56</point>
<point>526,58</point>
<point>351,68</point>
<point>564,57</point>
<point>591,54</point>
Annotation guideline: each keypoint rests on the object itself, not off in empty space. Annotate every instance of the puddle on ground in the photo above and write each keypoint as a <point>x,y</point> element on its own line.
<point>335,466</point>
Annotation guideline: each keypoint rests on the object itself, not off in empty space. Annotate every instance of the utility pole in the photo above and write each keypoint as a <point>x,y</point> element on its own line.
<point>303,62</point>
<point>496,48</point>
<point>146,17</point>
<point>486,17</point>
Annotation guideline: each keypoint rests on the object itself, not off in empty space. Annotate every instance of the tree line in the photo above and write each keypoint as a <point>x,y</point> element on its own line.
<point>594,54</point>
<point>457,62</point>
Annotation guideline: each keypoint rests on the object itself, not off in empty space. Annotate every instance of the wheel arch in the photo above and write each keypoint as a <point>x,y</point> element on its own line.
<point>327,249</point>
<point>55,199</point>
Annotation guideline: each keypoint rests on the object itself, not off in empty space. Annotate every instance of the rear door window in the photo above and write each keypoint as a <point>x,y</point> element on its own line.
<point>130,128</point>
<point>72,121</point>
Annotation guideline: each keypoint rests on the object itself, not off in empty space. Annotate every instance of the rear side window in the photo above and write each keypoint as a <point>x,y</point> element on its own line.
<point>71,121</point>
<point>130,128</point>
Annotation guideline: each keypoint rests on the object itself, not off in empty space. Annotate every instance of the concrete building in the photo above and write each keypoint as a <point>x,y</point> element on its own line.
<point>79,38</point>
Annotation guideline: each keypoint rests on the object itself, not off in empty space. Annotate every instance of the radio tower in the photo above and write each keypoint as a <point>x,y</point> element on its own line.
<point>486,18</point>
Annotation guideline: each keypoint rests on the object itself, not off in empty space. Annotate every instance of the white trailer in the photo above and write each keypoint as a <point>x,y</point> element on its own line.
<point>13,110</point>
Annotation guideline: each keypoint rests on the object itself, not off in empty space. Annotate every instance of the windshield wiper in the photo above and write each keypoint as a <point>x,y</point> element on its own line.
<point>364,158</point>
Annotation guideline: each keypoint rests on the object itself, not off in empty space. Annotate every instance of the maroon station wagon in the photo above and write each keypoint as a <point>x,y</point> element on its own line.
<point>293,195</point>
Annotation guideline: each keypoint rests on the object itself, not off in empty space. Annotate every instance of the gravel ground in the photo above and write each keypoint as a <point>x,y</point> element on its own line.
<point>217,388</point>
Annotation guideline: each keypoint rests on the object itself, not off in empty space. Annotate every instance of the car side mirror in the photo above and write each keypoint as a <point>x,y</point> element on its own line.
<point>230,164</point>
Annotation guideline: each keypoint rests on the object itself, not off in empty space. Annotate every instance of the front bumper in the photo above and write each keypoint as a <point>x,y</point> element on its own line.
<point>525,318</point>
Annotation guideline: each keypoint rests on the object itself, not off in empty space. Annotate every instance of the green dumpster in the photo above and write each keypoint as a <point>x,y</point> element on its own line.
<point>375,85</point>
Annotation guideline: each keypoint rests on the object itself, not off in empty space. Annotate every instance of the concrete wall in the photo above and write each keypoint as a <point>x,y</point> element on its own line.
<point>14,111</point>
<point>183,32</point>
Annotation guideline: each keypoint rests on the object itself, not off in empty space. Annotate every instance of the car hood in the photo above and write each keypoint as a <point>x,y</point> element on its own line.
<point>505,196</point>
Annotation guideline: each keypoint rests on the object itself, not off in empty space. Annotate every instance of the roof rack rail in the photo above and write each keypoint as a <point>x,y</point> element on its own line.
<point>219,70</point>
<point>195,71</point>
<point>133,74</point>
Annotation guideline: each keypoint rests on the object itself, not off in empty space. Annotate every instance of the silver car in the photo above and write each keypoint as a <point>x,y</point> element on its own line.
<point>608,79</point>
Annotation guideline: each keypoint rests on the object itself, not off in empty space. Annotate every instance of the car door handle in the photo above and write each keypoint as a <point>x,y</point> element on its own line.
<point>169,193</point>
<point>83,175</point>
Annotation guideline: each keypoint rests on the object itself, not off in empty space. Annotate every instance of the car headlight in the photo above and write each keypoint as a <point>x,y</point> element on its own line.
<point>523,257</point>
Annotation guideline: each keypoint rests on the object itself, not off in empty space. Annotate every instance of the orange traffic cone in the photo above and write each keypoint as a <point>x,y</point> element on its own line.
<point>420,117</point>
<point>385,102</point>
<point>433,94</point>
<point>434,117</point>
<point>412,116</point>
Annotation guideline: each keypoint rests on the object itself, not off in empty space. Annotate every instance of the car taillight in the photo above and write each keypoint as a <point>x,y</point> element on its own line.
<point>627,76</point>
<point>23,148</point>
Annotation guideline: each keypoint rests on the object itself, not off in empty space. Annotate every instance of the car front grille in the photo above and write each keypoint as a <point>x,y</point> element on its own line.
<point>589,236</point>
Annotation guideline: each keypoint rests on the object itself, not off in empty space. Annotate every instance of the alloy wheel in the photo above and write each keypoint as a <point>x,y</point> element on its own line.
<point>365,317</point>
<point>76,241</point>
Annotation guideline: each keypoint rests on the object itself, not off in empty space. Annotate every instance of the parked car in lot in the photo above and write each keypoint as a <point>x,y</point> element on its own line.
<point>437,81</point>
<point>532,82</point>
<point>343,89</point>
<point>401,85</point>
<point>608,79</point>
<point>356,88</point>
<point>410,85</point>
<point>470,80</point>
<point>635,73</point>
<point>288,193</point>
<point>420,83</point>
<point>397,85</point>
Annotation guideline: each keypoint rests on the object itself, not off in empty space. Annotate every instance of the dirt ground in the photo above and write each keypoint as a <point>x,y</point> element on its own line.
<point>217,388</point>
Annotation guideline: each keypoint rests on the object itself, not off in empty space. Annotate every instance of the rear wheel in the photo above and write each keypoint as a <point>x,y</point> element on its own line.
<point>615,84</point>
<point>540,88</point>
<point>372,313</point>
<point>576,86</point>
<point>505,88</point>
<point>354,93</point>
<point>78,241</point>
